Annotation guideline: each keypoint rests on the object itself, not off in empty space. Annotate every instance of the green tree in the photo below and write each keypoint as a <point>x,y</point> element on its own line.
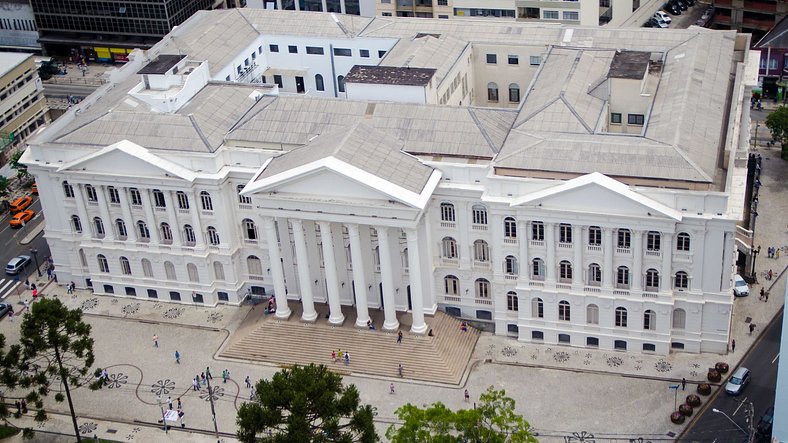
<point>493,420</point>
<point>306,404</point>
<point>21,169</point>
<point>9,360</point>
<point>4,182</point>
<point>777,122</point>
<point>55,346</point>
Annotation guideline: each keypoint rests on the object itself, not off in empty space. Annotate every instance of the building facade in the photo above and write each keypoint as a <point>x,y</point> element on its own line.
<point>18,32</point>
<point>22,105</point>
<point>572,215</point>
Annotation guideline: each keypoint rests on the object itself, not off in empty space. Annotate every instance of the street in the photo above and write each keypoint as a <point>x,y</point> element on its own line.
<point>762,361</point>
<point>10,247</point>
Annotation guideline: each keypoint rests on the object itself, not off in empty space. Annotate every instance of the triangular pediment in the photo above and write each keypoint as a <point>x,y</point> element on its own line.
<point>128,158</point>
<point>597,193</point>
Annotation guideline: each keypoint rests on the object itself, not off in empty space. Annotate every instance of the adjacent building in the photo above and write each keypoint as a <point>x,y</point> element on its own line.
<point>556,184</point>
<point>18,32</point>
<point>752,16</point>
<point>22,104</point>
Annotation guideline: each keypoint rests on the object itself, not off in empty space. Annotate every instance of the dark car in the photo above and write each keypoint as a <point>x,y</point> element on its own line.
<point>680,3</point>
<point>5,308</point>
<point>672,9</point>
<point>764,426</point>
<point>689,3</point>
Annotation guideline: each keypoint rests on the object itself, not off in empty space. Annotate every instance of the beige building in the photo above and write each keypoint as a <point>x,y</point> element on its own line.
<point>22,104</point>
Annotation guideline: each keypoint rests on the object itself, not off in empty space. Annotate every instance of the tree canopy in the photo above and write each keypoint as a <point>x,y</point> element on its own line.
<point>9,360</point>
<point>306,404</point>
<point>777,122</point>
<point>493,420</point>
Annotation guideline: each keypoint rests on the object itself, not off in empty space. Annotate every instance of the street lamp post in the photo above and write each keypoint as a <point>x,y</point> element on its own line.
<point>34,251</point>
<point>731,420</point>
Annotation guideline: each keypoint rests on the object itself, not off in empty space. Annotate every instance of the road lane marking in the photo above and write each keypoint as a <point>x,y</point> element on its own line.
<point>776,357</point>
<point>10,290</point>
<point>739,407</point>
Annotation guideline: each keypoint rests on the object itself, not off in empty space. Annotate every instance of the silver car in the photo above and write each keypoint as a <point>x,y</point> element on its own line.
<point>16,264</point>
<point>738,381</point>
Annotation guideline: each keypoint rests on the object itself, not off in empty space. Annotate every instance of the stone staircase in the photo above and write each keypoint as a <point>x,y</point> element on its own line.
<point>441,358</point>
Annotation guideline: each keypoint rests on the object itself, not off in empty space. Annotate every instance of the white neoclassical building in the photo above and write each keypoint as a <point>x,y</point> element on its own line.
<point>595,204</point>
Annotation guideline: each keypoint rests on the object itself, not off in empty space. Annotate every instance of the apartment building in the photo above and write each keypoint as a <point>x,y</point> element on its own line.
<point>22,104</point>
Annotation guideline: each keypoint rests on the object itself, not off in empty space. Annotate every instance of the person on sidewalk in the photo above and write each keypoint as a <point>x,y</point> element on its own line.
<point>248,382</point>
<point>467,396</point>
<point>752,327</point>
<point>169,402</point>
<point>208,373</point>
<point>401,370</point>
<point>733,345</point>
<point>155,341</point>
<point>347,358</point>
<point>683,384</point>
<point>334,356</point>
<point>180,405</point>
<point>202,377</point>
<point>399,337</point>
<point>177,358</point>
<point>196,384</point>
<point>391,388</point>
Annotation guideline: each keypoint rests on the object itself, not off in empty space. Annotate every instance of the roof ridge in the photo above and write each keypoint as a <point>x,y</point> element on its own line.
<point>538,141</point>
<point>197,128</point>
<point>574,112</point>
<point>483,131</point>
<point>537,111</point>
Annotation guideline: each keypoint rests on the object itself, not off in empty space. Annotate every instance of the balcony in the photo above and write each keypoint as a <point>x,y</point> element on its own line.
<point>623,251</point>
<point>484,301</point>
<point>537,284</point>
<point>452,299</point>
<point>563,287</point>
<point>594,248</point>
<point>652,253</point>
<point>445,261</point>
<point>537,243</point>
<point>591,289</point>
<point>620,293</point>
<point>448,224</point>
<point>481,264</point>
<point>510,276</point>
<point>564,245</point>
<point>510,240</point>
<point>477,227</point>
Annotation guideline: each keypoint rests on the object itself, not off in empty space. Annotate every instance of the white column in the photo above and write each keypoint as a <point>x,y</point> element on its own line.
<point>577,248</point>
<point>199,241</point>
<point>332,281</point>
<point>416,286</point>
<point>82,210</point>
<point>325,9</point>
<point>359,278</point>
<point>109,232</point>
<point>131,224</point>
<point>550,243</point>
<point>386,270</point>
<point>176,230</point>
<point>147,204</point>
<point>667,262</point>
<point>608,272</point>
<point>304,276</point>
<point>523,262</point>
<point>275,259</point>
<point>637,261</point>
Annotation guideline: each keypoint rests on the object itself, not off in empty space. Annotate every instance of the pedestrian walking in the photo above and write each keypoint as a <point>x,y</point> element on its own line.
<point>208,373</point>
<point>225,375</point>
<point>769,252</point>
<point>27,284</point>
<point>181,414</point>
<point>401,370</point>
<point>766,296</point>
<point>347,358</point>
<point>11,316</point>
<point>248,382</point>
<point>334,356</point>
<point>683,384</point>
<point>251,394</point>
<point>733,345</point>
<point>769,274</point>
<point>467,396</point>
<point>752,327</point>
<point>70,288</point>
<point>762,291</point>
<point>169,401</point>
<point>18,407</point>
<point>27,305</point>
<point>177,357</point>
<point>202,377</point>
<point>391,388</point>
<point>399,337</point>
<point>180,405</point>
<point>24,406</point>
<point>777,253</point>
<point>35,292</point>
<point>155,341</point>
<point>196,383</point>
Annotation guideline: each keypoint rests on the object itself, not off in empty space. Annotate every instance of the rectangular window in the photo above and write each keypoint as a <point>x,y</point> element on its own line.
<point>443,2</point>
<point>136,198</point>
<point>571,15</point>
<point>292,49</point>
<point>364,53</point>
<point>492,59</point>
<point>636,119</point>
<point>385,14</point>
<point>615,118</point>
<point>535,60</point>
<point>278,80</point>
<point>273,48</point>
<point>537,231</point>
<point>343,52</point>
<point>550,15</point>
<point>381,53</point>
<point>514,60</point>
<point>314,50</point>
<point>444,16</point>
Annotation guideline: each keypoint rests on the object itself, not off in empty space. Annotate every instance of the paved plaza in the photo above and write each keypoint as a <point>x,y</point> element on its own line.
<point>562,391</point>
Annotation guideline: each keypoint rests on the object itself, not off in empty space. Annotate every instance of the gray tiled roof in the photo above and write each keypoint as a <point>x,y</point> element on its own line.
<point>426,51</point>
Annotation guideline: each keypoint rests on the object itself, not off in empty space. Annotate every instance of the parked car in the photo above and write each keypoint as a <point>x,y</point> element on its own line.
<point>738,381</point>
<point>654,23</point>
<point>19,219</point>
<point>740,287</point>
<point>689,3</point>
<point>5,308</point>
<point>671,8</point>
<point>21,204</point>
<point>764,426</point>
<point>34,188</point>
<point>680,3</point>
<point>662,16</point>
<point>16,264</point>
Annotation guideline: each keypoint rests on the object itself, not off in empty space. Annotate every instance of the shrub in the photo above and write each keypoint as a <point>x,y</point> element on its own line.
<point>704,389</point>
<point>693,400</point>
<point>677,418</point>
<point>714,375</point>
<point>685,409</point>
<point>722,367</point>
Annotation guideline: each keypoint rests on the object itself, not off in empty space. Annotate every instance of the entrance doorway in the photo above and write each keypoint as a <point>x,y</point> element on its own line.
<point>410,303</point>
<point>300,85</point>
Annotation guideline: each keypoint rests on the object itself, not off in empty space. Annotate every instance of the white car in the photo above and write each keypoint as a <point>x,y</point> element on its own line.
<point>740,287</point>
<point>662,16</point>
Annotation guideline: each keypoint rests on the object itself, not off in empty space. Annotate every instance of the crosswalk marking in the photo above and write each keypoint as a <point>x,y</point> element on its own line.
<point>7,287</point>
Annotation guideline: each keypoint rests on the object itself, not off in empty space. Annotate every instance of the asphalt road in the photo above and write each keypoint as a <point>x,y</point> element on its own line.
<point>762,361</point>
<point>10,247</point>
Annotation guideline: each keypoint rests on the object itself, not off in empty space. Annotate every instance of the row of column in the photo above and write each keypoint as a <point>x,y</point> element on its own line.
<point>359,277</point>
<point>608,273</point>
<point>125,207</point>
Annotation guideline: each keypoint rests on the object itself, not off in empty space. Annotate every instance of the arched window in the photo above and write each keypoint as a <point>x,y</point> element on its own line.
<point>169,270</point>
<point>166,233</point>
<point>624,239</point>
<point>622,277</point>
<point>479,215</point>
<point>405,262</point>
<point>537,308</point>
<point>142,227</point>
<point>682,280</point>
<point>218,271</point>
<point>254,265</point>
<point>510,265</point>
<point>509,227</point>
<point>188,235</point>
<point>594,274</point>
<point>649,320</point>
<point>341,83</point>
<point>83,259</point>
<point>213,236</point>
<point>683,242</point>
<point>68,190</point>
<point>205,200</point>
<point>98,227</point>
<point>194,276</point>
<point>125,266</point>
<point>537,269</point>
<point>592,314</point>
<point>621,317</point>
<point>147,269</point>
<point>481,251</point>
<point>120,229</point>
<point>76,223</point>
<point>679,318</point>
<point>376,258</point>
<point>512,302</point>
<point>565,271</point>
<point>492,92</point>
<point>482,288</point>
<point>653,241</point>
<point>564,311</point>
<point>447,212</point>
<point>449,246</point>
<point>102,262</point>
<point>514,93</point>
<point>319,83</point>
<point>451,285</point>
<point>250,230</point>
<point>243,199</point>
<point>652,280</point>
